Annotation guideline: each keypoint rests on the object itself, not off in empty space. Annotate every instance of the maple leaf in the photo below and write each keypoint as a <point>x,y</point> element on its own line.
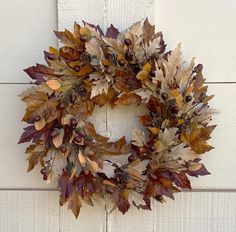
<point>39,72</point>
<point>148,31</point>
<point>30,133</point>
<point>67,38</point>
<point>138,138</point>
<point>128,99</point>
<point>114,148</point>
<point>196,138</point>
<point>36,153</point>
<point>99,87</point>
<point>185,153</point>
<point>112,32</point>
<point>74,203</point>
<point>122,201</point>
<point>66,187</point>
<point>171,64</point>
<point>96,28</point>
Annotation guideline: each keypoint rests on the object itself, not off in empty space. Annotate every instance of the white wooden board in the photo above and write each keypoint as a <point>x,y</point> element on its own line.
<point>220,161</point>
<point>201,211</point>
<point>181,21</point>
<point>26,31</point>
<point>91,219</point>
<point>207,30</point>
<point>31,211</point>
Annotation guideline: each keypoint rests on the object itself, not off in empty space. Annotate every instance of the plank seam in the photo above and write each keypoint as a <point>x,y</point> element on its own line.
<point>55,190</point>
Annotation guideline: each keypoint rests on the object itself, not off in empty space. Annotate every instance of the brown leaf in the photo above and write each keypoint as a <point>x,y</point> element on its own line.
<point>58,140</point>
<point>115,148</point>
<point>74,203</point>
<point>148,31</point>
<point>196,138</point>
<point>128,99</point>
<point>39,72</point>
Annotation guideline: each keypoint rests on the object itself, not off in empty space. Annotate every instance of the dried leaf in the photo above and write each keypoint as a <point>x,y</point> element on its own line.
<point>53,84</point>
<point>58,140</point>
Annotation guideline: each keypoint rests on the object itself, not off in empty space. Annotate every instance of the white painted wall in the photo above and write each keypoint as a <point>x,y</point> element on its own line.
<point>207,30</point>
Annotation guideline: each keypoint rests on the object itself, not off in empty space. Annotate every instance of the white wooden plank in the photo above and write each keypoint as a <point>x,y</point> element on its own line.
<point>196,211</point>
<point>123,13</point>
<point>207,30</point>
<point>92,219</point>
<point>91,11</point>
<point>27,30</point>
<point>220,161</point>
<point>24,211</point>
<point>13,165</point>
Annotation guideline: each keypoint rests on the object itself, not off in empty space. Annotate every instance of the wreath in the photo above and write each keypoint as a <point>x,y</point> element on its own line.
<point>93,68</point>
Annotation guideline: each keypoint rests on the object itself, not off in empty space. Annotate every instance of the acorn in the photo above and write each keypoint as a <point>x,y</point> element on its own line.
<point>110,190</point>
<point>37,118</point>
<point>77,68</point>
<point>73,98</point>
<point>174,109</point>
<point>73,121</point>
<point>127,42</point>
<point>152,176</point>
<point>152,73</point>
<point>121,62</point>
<point>51,56</point>
<point>54,133</point>
<point>78,139</point>
<point>198,68</point>
<point>131,158</point>
<point>164,96</point>
<point>63,148</point>
<point>188,98</point>
<point>202,96</point>
<point>83,38</point>
<point>44,171</point>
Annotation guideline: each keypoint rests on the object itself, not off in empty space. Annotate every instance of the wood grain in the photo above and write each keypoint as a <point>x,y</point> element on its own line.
<point>193,212</point>
<point>206,29</point>
<point>27,30</point>
<point>32,211</point>
<point>92,219</point>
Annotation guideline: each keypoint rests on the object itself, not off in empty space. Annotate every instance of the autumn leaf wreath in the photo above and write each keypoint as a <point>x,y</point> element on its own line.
<point>94,68</point>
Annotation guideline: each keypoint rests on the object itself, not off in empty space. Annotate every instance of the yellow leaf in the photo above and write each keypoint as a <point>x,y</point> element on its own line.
<point>142,75</point>
<point>159,146</point>
<point>85,31</point>
<point>53,84</point>
<point>147,67</point>
<point>154,130</point>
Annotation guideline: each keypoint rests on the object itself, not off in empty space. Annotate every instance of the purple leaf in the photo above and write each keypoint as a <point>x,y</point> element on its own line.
<point>112,32</point>
<point>30,133</point>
